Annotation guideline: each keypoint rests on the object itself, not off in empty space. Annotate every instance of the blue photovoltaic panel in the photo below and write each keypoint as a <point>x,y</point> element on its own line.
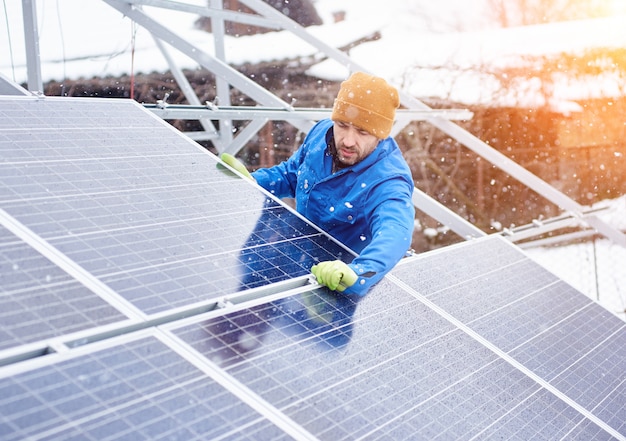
<point>111,222</point>
<point>387,367</point>
<point>39,301</point>
<point>8,87</point>
<point>139,390</point>
<point>554,331</point>
<point>146,211</point>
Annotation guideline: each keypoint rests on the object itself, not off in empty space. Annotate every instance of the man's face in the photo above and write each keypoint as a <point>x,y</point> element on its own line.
<point>353,144</point>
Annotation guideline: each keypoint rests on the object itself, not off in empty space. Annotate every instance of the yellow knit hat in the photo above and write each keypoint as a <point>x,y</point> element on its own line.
<point>368,103</point>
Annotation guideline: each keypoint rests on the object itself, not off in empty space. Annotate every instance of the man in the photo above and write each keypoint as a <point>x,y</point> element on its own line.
<point>350,179</point>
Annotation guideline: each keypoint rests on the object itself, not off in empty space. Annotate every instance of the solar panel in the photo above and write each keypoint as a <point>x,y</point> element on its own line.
<point>8,87</point>
<point>123,246</point>
<point>139,389</point>
<point>140,210</point>
<point>40,301</point>
<point>558,336</point>
<point>403,368</point>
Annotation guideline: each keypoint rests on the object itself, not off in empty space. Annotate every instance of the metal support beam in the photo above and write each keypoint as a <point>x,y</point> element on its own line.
<point>444,215</point>
<point>290,114</point>
<point>530,180</point>
<point>245,135</point>
<point>8,87</point>
<point>271,18</point>
<point>206,60</point>
<point>541,227</point>
<point>212,12</point>
<point>31,37</point>
<point>221,85</point>
<point>455,131</point>
<point>187,90</point>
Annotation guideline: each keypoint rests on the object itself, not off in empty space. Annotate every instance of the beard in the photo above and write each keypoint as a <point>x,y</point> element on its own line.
<point>347,156</point>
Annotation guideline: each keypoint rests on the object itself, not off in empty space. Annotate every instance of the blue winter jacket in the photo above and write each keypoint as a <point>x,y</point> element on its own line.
<point>367,206</point>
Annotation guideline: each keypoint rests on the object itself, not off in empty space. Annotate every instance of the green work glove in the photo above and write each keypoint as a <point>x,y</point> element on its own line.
<point>334,274</point>
<point>236,164</point>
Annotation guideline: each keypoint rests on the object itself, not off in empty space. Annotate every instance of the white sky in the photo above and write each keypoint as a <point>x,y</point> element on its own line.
<point>85,38</point>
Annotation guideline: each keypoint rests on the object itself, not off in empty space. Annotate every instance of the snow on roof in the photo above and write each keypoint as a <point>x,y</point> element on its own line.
<point>85,38</point>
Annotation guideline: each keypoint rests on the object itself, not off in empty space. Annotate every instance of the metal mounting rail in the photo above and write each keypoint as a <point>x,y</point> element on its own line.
<point>539,227</point>
<point>11,358</point>
<point>167,111</point>
<point>228,77</point>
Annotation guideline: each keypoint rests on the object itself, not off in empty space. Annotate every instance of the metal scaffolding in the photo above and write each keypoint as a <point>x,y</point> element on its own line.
<point>270,107</point>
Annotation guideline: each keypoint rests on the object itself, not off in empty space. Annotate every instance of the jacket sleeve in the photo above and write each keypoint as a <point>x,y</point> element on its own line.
<point>391,223</point>
<point>281,179</point>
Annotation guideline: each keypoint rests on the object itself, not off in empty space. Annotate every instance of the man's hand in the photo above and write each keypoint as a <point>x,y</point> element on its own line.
<point>334,274</point>
<point>236,164</point>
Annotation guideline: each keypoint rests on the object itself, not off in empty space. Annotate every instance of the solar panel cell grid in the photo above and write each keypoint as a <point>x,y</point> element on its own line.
<point>70,113</point>
<point>531,313</point>
<point>129,202</point>
<point>399,369</point>
<point>557,349</point>
<point>471,341</point>
<point>136,390</point>
<point>543,323</point>
<point>38,300</point>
